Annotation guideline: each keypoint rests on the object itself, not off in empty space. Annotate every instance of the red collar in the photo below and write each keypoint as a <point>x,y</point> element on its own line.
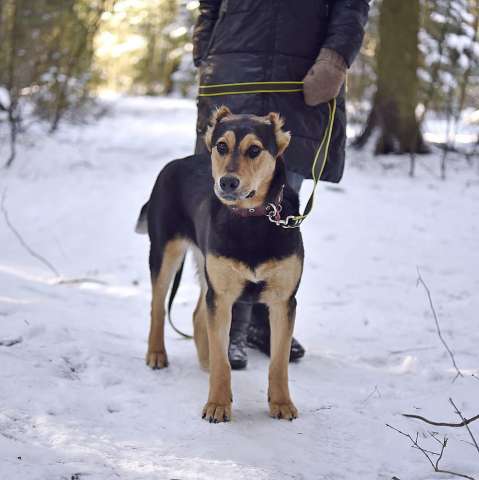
<point>262,210</point>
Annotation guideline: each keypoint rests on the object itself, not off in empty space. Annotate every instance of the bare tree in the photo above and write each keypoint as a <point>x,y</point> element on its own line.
<point>13,114</point>
<point>394,104</point>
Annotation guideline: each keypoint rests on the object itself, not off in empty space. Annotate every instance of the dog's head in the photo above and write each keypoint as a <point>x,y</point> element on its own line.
<point>244,150</point>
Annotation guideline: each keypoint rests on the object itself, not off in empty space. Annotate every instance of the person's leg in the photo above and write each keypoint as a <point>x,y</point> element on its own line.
<point>259,334</point>
<point>237,351</point>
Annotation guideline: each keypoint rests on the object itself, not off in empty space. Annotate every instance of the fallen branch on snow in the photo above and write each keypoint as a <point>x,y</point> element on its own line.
<point>11,342</point>
<point>430,454</point>
<point>421,281</point>
<point>466,423</point>
<point>24,244</point>
<point>76,281</point>
<point>59,280</point>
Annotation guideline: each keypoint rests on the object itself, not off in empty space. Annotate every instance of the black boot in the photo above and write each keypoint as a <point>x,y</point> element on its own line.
<point>259,334</point>
<point>237,351</point>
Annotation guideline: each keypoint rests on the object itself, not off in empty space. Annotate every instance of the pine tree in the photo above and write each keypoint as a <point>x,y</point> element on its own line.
<point>46,58</point>
<point>450,51</point>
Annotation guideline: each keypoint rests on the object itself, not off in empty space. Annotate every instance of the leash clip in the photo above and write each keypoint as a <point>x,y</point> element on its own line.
<point>273,214</point>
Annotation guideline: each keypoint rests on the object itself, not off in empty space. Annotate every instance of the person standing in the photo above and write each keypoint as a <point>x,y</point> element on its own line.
<point>249,41</point>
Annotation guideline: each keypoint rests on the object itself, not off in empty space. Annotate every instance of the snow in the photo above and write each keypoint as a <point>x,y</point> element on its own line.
<point>4,98</point>
<point>76,399</point>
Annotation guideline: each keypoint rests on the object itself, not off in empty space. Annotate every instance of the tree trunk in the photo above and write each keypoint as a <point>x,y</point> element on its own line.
<point>12,88</point>
<point>394,104</point>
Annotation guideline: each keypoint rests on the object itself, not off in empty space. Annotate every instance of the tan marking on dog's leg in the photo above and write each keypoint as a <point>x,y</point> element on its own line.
<point>218,407</point>
<point>172,256</point>
<point>282,278</point>
<point>226,283</point>
<point>282,322</point>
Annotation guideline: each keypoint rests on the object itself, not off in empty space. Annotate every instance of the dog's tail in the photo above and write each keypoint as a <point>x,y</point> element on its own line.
<point>142,222</point>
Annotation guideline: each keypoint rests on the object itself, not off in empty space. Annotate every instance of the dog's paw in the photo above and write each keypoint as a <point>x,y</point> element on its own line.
<point>156,360</point>
<point>283,410</point>
<point>216,413</point>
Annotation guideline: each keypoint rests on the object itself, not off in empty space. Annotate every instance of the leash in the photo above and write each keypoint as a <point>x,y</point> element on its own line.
<point>272,211</point>
<point>174,289</point>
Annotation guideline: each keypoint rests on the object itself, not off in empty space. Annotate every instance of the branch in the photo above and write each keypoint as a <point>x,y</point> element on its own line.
<point>11,342</point>
<point>22,241</point>
<point>76,281</point>
<point>375,391</point>
<point>438,328</point>
<point>427,453</point>
<point>466,423</point>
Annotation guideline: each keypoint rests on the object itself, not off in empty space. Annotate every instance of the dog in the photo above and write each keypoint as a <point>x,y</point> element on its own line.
<point>220,206</point>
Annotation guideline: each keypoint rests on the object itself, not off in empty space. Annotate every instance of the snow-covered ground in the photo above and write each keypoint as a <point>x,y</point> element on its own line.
<point>76,399</point>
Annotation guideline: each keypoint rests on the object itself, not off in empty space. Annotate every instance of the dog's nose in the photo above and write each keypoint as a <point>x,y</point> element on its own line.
<point>229,183</point>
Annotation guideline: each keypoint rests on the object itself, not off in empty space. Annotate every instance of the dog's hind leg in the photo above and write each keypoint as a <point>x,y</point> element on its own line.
<point>200,334</point>
<point>162,272</point>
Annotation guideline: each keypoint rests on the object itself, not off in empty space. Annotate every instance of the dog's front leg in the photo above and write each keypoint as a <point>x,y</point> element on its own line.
<point>281,317</point>
<point>218,407</point>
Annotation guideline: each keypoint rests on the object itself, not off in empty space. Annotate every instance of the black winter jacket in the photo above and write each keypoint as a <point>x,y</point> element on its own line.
<point>238,41</point>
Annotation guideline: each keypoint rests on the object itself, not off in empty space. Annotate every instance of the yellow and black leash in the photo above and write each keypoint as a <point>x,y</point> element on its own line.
<point>317,168</point>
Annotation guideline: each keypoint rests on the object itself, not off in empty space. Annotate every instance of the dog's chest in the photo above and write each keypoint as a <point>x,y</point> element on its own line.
<point>273,278</point>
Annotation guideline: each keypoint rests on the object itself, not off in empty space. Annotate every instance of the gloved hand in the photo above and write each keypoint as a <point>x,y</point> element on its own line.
<point>325,78</point>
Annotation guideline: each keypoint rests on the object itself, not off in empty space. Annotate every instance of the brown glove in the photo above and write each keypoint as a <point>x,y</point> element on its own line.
<point>325,78</point>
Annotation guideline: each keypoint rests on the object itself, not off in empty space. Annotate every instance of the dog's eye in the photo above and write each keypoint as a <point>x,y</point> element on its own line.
<point>253,151</point>
<point>222,148</point>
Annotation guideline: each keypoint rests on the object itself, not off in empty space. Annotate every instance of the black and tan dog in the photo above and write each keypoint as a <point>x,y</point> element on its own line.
<point>219,206</point>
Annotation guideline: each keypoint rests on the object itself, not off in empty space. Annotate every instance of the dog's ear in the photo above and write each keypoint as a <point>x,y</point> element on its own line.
<point>282,138</point>
<point>216,117</point>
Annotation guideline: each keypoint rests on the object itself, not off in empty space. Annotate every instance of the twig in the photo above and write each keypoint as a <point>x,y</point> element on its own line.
<point>466,423</point>
<point>57,281</point>
<point>76,281</point>
<point>11,343</point>
<point>436,320</point>
<point>375,391</point>
<point>22,241</point>
<point>427,453</point>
